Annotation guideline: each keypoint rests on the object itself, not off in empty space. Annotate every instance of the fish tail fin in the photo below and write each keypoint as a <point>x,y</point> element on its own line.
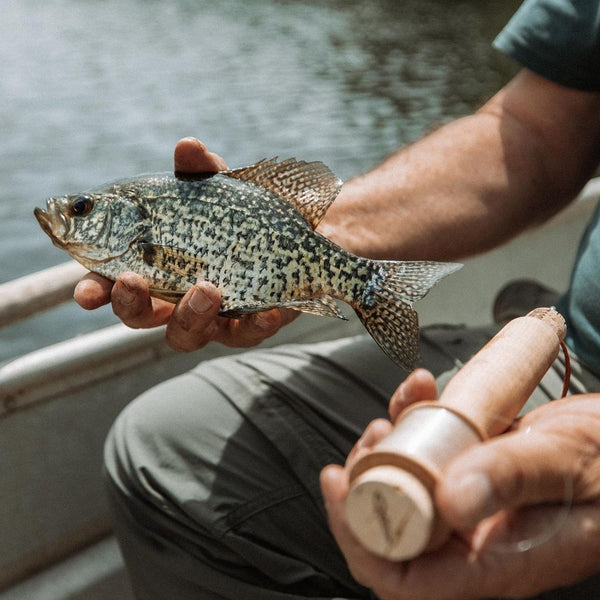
<point>385,308</point>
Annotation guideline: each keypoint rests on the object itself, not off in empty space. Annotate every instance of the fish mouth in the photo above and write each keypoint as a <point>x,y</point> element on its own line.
<point>51,221</point>
<point>43,219</point>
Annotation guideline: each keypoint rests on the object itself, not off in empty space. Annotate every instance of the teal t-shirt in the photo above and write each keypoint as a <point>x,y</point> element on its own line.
<point>557,39</point>
<point>560,40</point>
<point>581,304</point>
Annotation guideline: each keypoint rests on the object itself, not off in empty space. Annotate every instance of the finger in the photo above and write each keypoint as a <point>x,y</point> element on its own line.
<point>539,548</point>
<point>131,302</point>
<point>334,486</point>
<point>494,566</point>
<point>256,327</point>
<point>192,156</point>
<point>419,385</point>
<point>444,575</point>
<point>501,563</point>
<point>517,469</point>
<point>374,432</point>
<point>92,291</point>
<point>194,320</point>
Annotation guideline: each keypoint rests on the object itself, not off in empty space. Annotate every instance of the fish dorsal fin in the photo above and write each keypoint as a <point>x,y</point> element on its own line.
<point>309,186</point>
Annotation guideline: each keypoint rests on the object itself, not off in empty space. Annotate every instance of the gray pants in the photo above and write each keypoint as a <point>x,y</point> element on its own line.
<point>213,476</point>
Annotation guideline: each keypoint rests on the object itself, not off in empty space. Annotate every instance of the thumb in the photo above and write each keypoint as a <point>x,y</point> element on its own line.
<point>192,156</point>
<point>521,468</point>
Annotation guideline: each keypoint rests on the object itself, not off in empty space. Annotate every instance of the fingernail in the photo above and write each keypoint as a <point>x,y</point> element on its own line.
<point>409,393</point>
<point>399,401</point>
<point>475,497</point>
<point>361,442</point>
<point>401,393</point>
<point>199,302</point>
<point>126,296</point>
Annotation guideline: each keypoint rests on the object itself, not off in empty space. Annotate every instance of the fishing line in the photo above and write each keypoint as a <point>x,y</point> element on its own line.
<point>567,374</point>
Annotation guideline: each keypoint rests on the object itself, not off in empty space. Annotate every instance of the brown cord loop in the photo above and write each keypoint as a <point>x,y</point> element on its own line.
<point>567,376</point>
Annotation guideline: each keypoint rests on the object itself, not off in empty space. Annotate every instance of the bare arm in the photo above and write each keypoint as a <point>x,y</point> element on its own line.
<point>476,182</point>
<point>466,188</point>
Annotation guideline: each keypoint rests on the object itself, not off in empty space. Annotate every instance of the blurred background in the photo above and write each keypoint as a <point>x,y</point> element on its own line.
<point>92,91</point>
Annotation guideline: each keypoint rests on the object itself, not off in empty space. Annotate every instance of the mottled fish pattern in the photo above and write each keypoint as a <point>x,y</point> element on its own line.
<point>251,232</point>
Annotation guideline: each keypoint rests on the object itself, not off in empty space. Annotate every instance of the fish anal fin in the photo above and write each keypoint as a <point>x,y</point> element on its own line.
<point>324,306</point>
<point>308,186</point>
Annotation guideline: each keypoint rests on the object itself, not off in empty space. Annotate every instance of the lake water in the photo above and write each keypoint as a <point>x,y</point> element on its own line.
<point>96,90</point>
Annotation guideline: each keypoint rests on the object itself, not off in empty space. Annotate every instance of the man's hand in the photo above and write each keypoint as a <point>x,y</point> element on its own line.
<point>194,321</point>
<point>526,505</point>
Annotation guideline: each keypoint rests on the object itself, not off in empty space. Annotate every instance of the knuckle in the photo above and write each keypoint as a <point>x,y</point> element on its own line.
<point>181,343</point>
<point>510,483</point>
<point>182,321</point>
<point>586,467</point>
<point>187,320</point>
<point>128,314</point>
<point>243,333</point>
<point>183,346</point>
<point>130,304</point>
<point>183,335</point>
<point>264,324</point>
<point>133,314</point>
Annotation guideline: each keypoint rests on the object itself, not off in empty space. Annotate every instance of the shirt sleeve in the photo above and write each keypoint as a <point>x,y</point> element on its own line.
<point>557,39</point>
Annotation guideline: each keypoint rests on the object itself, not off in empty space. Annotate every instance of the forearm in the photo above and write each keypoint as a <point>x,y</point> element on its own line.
<point>436,199</point>
<point>470,186</point>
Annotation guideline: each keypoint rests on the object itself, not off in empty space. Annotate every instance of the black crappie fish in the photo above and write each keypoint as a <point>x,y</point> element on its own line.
<point>249,231</point>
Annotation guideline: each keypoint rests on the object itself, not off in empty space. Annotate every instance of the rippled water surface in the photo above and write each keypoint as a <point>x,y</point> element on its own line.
<point>96,90</point>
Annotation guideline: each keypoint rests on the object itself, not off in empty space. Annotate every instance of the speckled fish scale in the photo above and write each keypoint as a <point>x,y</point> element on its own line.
<point>250,231</point>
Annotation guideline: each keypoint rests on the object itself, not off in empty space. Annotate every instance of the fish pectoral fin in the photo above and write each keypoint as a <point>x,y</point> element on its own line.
<point>324,306</point>
<point>172,259</point>
<point>308,186</point>
<point>167,295</point>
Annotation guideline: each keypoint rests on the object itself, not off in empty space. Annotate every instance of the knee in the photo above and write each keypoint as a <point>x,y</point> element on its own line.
<point>155,439</point>
<point>156,414</point>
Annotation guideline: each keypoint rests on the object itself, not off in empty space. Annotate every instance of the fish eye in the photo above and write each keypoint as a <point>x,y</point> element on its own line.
<point>81,205</point>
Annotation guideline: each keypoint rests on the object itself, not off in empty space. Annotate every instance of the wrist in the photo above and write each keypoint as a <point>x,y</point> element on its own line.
<point>357,222</point>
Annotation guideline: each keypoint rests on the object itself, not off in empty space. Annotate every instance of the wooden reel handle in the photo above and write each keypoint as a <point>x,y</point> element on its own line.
<point>390,506</point>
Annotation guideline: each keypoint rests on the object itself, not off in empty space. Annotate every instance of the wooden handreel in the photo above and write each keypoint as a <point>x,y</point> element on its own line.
<point>390,505</point>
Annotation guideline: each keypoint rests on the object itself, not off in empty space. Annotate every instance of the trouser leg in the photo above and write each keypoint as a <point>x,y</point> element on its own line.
<point>214,475</point>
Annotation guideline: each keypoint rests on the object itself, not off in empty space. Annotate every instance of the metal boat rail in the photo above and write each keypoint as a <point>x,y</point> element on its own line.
<point>56,407</point>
